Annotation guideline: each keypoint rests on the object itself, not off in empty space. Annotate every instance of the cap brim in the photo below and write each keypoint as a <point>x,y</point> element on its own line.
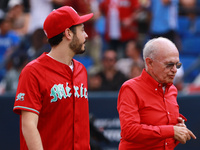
<point>84,18</point>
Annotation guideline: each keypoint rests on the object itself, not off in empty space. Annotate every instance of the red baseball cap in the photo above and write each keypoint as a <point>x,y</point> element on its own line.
<point>60,19</point>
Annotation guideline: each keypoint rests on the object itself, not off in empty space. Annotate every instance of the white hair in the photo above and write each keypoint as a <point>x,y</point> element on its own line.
<point>152,46</point>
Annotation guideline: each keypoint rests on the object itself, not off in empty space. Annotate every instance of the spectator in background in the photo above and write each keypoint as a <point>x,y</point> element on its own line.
<point>9,41</point>
<point>164,15</point>
<point>94,81</point>
<point>190,10</point>
<point>14,67</point>
<point>188,7</point>
<point>136,70</point>
<point>133,53</point>
<point>20,19</point>
<point>111,79</point>
<point>39,9</point>
<point>121,22</point>
<point>143,20</point>
<point>39,44</point>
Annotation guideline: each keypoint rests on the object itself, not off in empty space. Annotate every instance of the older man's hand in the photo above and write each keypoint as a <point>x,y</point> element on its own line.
<point>182,134</point>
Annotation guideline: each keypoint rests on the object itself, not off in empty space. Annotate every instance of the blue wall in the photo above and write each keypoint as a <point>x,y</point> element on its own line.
<point>103,108</point>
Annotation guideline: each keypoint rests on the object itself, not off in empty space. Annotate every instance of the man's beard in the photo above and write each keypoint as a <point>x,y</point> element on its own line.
<point>76,46</point>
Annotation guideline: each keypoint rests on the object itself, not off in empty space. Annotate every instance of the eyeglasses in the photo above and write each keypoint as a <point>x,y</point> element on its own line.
<point>171,65</point>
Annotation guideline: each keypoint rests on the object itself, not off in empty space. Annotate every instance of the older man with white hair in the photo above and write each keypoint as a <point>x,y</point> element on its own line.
<point>147,105</point>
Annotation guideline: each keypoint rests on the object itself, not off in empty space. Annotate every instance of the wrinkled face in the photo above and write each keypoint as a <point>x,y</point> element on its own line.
<point>165,64</point>
<point>79,39</point>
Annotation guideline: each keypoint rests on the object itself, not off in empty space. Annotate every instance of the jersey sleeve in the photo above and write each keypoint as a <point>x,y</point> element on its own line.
<point>131,127</point>
<point>28,95</point>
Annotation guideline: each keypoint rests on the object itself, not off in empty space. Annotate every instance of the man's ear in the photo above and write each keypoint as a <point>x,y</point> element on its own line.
<point>68,34</point>
<point>149,62</point>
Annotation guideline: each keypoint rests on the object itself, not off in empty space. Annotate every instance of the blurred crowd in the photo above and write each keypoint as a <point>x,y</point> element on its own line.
<point>117,34</point>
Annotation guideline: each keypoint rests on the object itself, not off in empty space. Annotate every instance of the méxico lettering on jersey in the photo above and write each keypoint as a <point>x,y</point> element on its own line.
<point>58,91</point>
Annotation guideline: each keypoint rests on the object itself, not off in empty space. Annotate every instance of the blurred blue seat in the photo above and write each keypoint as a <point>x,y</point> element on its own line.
<point>183,26</point>
<point>189,63</point>
<point>198,3</point>
<point>198,26</point>
<point>191,46</point>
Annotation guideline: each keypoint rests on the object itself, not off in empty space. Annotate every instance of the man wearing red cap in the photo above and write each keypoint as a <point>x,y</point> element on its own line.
<point>52,97</point>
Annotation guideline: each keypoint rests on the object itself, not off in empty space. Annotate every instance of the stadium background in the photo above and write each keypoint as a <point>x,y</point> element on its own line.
<point>103,113</point>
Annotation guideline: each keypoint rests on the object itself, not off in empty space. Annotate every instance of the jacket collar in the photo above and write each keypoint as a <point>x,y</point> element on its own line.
<point>153,83</point>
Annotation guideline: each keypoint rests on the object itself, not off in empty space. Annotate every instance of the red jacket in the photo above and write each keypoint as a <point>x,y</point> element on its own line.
<point>147,115</point>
